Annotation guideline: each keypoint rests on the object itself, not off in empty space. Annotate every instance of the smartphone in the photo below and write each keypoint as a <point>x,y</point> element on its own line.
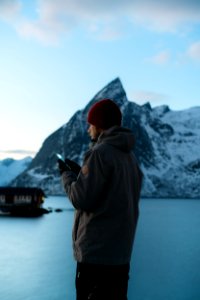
<point>59,156</point>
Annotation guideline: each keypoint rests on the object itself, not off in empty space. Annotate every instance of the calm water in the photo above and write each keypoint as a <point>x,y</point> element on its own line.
<point>36,260</point>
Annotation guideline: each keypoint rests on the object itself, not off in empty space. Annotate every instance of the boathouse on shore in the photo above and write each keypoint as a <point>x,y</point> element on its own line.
<point>21,199</point>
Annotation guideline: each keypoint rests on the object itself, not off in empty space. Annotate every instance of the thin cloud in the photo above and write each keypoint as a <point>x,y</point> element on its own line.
<point>19,152</point>
<point>55,18</point>
<point>161,58</point>
<point>194,51</point>
<point>141,97</point>
<point>169,16</point>
<point>9,9</point>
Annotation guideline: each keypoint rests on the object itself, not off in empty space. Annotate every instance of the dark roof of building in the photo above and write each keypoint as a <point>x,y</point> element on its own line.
<point>21,191</point>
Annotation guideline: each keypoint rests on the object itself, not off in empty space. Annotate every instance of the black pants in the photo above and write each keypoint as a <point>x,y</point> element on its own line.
<point>101,282</point>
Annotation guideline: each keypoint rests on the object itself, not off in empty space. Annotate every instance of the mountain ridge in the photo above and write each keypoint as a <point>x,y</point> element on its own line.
<point>166,147</point>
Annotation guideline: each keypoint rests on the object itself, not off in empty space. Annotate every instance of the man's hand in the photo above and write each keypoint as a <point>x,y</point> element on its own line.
<point>73,166</point>
<point>63,166</point>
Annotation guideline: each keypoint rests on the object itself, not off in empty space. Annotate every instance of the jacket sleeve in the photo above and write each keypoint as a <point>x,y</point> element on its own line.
<point>86,191</point>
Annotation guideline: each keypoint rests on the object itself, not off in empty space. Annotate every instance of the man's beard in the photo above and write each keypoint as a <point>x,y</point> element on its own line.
<point>94,140</point>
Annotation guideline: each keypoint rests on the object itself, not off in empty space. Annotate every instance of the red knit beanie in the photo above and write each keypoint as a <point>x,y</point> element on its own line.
<point>104,114</point>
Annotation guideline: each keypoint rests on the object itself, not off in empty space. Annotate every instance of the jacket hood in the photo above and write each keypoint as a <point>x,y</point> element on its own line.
<point>119,137</point>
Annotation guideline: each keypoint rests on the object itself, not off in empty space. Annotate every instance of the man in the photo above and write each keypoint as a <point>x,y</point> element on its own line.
<point>105,194</point>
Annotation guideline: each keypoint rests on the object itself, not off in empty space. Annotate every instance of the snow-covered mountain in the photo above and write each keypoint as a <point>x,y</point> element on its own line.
<point>11,168</point>
<point>167,147</point>
<point>175,137</point>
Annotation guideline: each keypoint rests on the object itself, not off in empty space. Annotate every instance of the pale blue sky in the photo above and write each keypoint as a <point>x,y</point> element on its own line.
<point>56,55</point>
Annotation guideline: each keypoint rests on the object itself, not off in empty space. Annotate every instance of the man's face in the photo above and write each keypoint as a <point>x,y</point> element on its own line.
<point>94,132</point>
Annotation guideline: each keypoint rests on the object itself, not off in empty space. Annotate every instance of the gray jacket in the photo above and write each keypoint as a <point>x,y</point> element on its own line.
<point>105,196</point>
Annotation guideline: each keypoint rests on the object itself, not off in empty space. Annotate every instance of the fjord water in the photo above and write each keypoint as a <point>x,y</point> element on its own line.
<point>36,260</point>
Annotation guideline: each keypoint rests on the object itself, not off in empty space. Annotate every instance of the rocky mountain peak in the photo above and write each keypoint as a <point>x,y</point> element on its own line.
<point>114,90</point>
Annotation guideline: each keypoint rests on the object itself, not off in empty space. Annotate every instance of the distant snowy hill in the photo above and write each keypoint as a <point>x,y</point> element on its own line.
<point>11,168</point>
<point>167,147</point>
